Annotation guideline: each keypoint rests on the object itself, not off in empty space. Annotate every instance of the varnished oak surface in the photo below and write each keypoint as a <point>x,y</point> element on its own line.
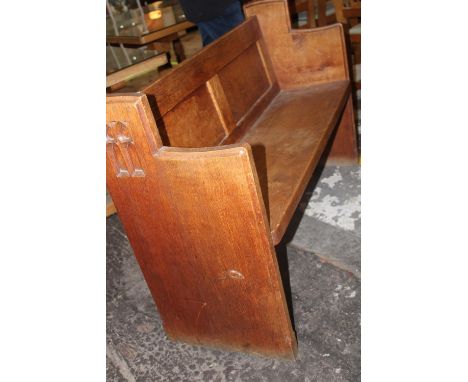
<point>202,66</point>
<point>287,142</point>
<point>207,165</point>
<point>300,57</point>
<point>198,227</point>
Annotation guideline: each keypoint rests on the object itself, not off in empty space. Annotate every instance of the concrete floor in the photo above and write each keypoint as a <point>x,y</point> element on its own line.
<point>324,267</point>
<point>323,257</point>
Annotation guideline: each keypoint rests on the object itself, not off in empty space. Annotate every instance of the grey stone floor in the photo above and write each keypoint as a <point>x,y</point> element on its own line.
<point>324,266</point>
<point>331,224</point>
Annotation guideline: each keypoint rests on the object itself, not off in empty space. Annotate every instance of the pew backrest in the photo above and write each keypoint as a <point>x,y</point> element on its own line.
<point>215,96</point>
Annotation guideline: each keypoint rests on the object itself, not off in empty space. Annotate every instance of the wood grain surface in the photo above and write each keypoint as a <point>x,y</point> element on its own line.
<point>300,57</point>
<point>208,164</point>
<point>288,141</point>
<point>198,227</point>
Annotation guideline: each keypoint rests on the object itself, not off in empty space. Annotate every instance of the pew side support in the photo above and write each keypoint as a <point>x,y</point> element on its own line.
<point>197,224</point>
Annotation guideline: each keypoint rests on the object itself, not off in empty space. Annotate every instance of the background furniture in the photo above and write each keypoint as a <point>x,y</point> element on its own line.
<point>325,13</point>
<point>348,12</point>
<point>156,25</point>
<point>132,70</point>
<point>317,12</point>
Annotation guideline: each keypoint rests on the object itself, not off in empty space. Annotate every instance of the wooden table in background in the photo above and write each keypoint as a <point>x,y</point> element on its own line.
<point>129,72</point>
<point>160,29</point>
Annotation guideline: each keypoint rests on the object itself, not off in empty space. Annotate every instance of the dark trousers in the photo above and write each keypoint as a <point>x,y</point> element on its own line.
<point>212,29</point>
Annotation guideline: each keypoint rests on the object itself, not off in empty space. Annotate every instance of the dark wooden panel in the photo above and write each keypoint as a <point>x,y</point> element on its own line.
<point>194,122</point>
<point>244,81</point>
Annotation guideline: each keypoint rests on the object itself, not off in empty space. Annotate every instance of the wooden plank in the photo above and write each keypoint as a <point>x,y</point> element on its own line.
<point>135,70</point>
<point>194,122</point>
<point>221,103</point>
<point>253,114</point>
<point>244,81</point>
<point>287,143</point>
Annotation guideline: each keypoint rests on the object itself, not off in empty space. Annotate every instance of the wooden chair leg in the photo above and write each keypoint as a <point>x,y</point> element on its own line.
<point>179,50</point>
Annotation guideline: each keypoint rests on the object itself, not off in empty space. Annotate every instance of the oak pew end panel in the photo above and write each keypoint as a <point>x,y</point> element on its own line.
<point>196,221</point>
<point>307,57</point>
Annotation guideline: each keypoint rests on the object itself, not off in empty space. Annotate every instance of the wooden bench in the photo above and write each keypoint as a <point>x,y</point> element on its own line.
<point>207,165</point>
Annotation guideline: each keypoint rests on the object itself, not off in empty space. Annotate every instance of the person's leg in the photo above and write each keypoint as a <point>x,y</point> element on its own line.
<point>233,15</point>
<point>211,30</point>
<point>206,33</point>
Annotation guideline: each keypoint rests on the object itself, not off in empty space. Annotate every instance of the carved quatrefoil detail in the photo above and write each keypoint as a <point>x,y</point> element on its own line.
<point>121,150</point>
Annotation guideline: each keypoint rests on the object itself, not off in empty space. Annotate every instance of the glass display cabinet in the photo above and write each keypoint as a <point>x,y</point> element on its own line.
<point>118,58</point>
<point>137,30</point>
<point>134,18</point>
